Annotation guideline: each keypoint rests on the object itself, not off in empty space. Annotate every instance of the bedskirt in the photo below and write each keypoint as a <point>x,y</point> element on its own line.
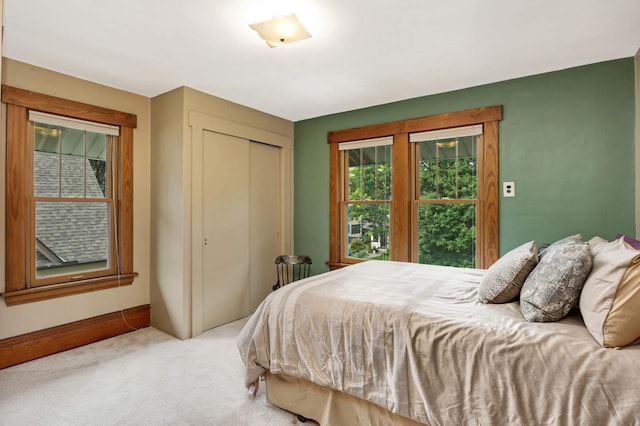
<point>325,405</point>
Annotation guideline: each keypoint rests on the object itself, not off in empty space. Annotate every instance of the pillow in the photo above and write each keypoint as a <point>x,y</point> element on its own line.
<point>503,280</point>
<point>610,300</point>
<point>553,287</point>
<point>576,238</point>
<point>631,241</point>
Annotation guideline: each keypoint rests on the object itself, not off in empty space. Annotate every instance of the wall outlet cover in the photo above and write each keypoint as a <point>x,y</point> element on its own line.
<point>508,189</point>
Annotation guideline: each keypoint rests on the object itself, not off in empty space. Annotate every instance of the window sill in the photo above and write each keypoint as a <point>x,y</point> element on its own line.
<point>66,289</point>
<point>339,265</point>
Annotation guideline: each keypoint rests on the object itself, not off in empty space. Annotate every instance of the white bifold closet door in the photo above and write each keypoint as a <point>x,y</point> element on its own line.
<point>241,225</point>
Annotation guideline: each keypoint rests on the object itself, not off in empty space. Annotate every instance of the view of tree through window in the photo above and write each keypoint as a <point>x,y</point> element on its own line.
<point>99,169</point>
<point>441,205</point>
<point>368,201</point>
<point>447,193</point>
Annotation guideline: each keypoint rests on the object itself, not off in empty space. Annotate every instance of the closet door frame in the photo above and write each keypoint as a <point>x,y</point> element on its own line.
<point>198,124</point>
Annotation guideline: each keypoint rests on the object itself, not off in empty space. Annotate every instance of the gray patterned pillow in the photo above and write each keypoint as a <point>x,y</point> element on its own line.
<point>503,280</point>
<point>576,238</point>
<point>553,287</point>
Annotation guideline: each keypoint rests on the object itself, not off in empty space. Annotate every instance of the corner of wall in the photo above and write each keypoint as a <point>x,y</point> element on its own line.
<point>169,305</point>
<point>636,63</point>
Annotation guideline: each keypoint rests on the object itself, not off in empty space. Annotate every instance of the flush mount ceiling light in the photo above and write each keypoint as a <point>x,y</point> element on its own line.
<point>281,30</point>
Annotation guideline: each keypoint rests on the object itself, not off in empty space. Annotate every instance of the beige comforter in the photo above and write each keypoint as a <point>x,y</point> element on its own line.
<point>415,340</point>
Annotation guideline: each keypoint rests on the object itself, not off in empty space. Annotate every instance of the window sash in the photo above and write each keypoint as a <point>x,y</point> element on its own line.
<point>438,163</point>
<point>461,227</point>
<point>62,191</point>
<point>346,227</point>
<point>346,169</point>
<point>66,275</point>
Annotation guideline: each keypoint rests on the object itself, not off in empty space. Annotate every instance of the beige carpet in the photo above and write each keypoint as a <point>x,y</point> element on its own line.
<point>145,377</point>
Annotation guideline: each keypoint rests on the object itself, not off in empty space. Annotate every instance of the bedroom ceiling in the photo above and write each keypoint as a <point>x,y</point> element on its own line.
<point>362,52</point>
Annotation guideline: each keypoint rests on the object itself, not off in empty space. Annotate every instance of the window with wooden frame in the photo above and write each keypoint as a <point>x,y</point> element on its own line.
<point>445,195</point>
<point>69,197</point>
<point>365,206</point>
<point>443,199</point>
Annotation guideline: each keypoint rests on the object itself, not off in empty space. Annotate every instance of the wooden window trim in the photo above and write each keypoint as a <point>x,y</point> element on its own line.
<point>487,221</point>
<point>19,102</point>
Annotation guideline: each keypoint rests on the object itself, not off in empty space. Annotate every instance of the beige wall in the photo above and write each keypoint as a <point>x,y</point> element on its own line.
<point>174,214</point>
<point>162,224</point>
<point>20,319</point>
<point>170,299</point>
<point>220,108</point>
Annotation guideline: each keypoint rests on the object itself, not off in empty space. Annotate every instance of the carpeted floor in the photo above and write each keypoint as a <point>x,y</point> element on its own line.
<point>145,377</point>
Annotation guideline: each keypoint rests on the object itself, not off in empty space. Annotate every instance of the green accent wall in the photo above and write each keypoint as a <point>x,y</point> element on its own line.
<point>566,140</point>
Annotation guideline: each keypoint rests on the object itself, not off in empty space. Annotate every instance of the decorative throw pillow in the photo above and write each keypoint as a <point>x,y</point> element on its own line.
<point>610,300</point>
<point>503,280</point>
<point>553,287</point>
<point>576,238</point>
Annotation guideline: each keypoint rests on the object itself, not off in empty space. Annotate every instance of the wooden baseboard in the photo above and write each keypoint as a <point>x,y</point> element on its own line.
<point>27,347</point>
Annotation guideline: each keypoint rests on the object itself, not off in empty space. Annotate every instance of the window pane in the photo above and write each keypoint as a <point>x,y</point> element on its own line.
<point>447,234</point>
<point>97,168</point>
<point>71,238</point>
<point>73,163</point>
<point>81,167</point>
<point>370,173</point>
<point>448,169</point>
<point>46,160</point>
<point>367,231</point>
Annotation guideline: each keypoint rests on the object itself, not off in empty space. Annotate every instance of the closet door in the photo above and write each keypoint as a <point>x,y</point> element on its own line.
<point>226,239</point>
<point>241,226</point>
<point>264,220</point>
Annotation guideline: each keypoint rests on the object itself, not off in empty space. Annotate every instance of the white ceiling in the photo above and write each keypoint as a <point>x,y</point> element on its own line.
<point>363,52</point>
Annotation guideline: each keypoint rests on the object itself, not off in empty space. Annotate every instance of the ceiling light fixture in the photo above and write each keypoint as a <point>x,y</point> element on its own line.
<point>281,30</point>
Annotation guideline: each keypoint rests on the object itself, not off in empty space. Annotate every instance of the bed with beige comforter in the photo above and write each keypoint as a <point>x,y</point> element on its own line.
<point>414,340</point>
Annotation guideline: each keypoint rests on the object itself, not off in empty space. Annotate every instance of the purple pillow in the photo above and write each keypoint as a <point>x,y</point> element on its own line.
<point>631,241</point>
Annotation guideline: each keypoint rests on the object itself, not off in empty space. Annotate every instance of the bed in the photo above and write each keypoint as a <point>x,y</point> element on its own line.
<point>401,343</point>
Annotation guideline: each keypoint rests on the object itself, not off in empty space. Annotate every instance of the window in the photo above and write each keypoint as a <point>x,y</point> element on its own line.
<point>367,197</point>
<point>69,197</point>
<point>439,207</point>
<point>445,198</point>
